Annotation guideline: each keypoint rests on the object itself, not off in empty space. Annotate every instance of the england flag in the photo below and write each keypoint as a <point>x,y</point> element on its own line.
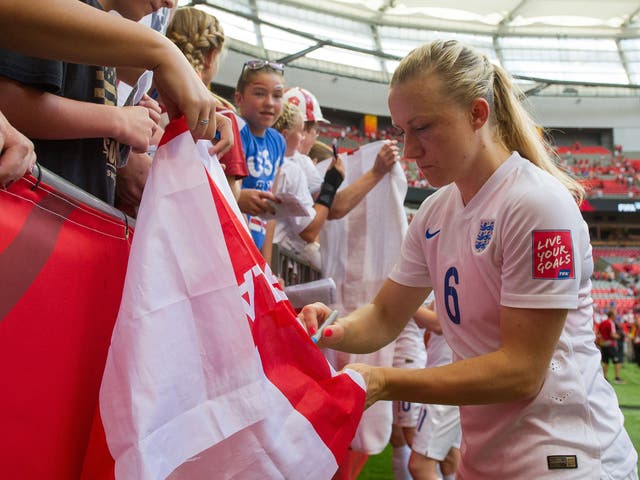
<point>209,373</point>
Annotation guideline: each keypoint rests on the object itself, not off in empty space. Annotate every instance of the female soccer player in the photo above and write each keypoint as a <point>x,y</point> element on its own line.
<point>507,253</point>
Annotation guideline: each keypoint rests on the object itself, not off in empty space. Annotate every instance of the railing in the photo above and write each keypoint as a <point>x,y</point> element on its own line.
<point>291,268</point>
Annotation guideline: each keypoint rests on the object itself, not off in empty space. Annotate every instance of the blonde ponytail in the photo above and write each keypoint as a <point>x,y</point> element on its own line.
<point>516,130</point>
<point>468,74</point>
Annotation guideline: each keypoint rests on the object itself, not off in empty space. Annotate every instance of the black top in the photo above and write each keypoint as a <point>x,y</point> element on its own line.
<point>87,163</point>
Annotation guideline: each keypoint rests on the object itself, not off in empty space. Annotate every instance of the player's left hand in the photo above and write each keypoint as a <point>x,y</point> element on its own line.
<point>374,380</point>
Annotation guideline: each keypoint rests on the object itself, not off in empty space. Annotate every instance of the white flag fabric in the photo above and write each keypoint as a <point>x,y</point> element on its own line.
<point>209,374</point>
<point>358,252</point>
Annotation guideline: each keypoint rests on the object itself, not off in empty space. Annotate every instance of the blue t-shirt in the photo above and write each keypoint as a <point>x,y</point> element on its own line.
<point>264,155</point>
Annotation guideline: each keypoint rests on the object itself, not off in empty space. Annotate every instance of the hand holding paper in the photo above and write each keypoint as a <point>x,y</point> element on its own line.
<point>289,206</point>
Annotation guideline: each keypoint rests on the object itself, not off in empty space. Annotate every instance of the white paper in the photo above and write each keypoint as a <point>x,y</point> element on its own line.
<point>289,206</point>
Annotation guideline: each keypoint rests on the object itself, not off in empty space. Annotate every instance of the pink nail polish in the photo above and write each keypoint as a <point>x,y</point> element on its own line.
<point>328,333</point>
<point>312,330</point>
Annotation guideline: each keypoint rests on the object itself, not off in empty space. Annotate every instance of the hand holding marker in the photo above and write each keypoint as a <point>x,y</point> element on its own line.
<point>329,321</point>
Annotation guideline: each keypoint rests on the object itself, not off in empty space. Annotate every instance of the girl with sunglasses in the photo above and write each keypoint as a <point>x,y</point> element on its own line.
<point>259,101</point>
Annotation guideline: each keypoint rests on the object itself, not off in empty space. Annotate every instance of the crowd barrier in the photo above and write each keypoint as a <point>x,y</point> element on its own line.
<point>63,258</point>
<point>291,268</point>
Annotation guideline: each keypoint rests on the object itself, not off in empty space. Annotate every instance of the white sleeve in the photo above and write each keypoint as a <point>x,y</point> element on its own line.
<point>411,268</point>
<point>291,180</point>
<point>543,249</point>
<point>314,178</point>
<point>321,170</point>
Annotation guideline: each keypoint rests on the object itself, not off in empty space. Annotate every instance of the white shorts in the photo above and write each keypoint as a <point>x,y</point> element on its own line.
<point>405,414</point>
<point>409,352</point>
<point>438,430</point>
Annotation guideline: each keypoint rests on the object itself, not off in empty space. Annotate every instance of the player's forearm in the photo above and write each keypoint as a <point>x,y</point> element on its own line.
<point>367,329</point>
<point>373,326</point>
<point>347,198</point>
<point>490,378</point>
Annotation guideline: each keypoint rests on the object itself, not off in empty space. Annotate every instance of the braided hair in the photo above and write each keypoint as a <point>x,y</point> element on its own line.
<point>196,33</point>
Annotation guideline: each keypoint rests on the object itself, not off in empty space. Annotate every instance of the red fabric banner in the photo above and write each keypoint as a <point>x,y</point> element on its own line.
<point>63,266</point>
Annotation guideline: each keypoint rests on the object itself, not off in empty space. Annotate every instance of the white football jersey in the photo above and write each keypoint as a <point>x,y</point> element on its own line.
<point>291,180</point>
<point>520,242</point>
<point>409,352</point>
<point>438,428</point>
<point>313,177</point>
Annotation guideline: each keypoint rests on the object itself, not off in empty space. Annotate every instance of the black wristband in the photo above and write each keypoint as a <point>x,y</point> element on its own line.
<point>332,180</point>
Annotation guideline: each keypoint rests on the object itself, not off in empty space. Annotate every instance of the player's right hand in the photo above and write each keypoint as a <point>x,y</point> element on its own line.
<point>314,315</point>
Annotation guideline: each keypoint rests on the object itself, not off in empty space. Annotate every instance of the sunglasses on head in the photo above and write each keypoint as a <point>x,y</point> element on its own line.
<point>260,64</point>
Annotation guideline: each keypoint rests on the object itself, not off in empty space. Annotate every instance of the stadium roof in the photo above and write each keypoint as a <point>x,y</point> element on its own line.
<point>551,45</point>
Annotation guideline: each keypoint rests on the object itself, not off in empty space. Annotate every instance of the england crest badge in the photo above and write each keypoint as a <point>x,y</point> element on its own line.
<point>484,236</point>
